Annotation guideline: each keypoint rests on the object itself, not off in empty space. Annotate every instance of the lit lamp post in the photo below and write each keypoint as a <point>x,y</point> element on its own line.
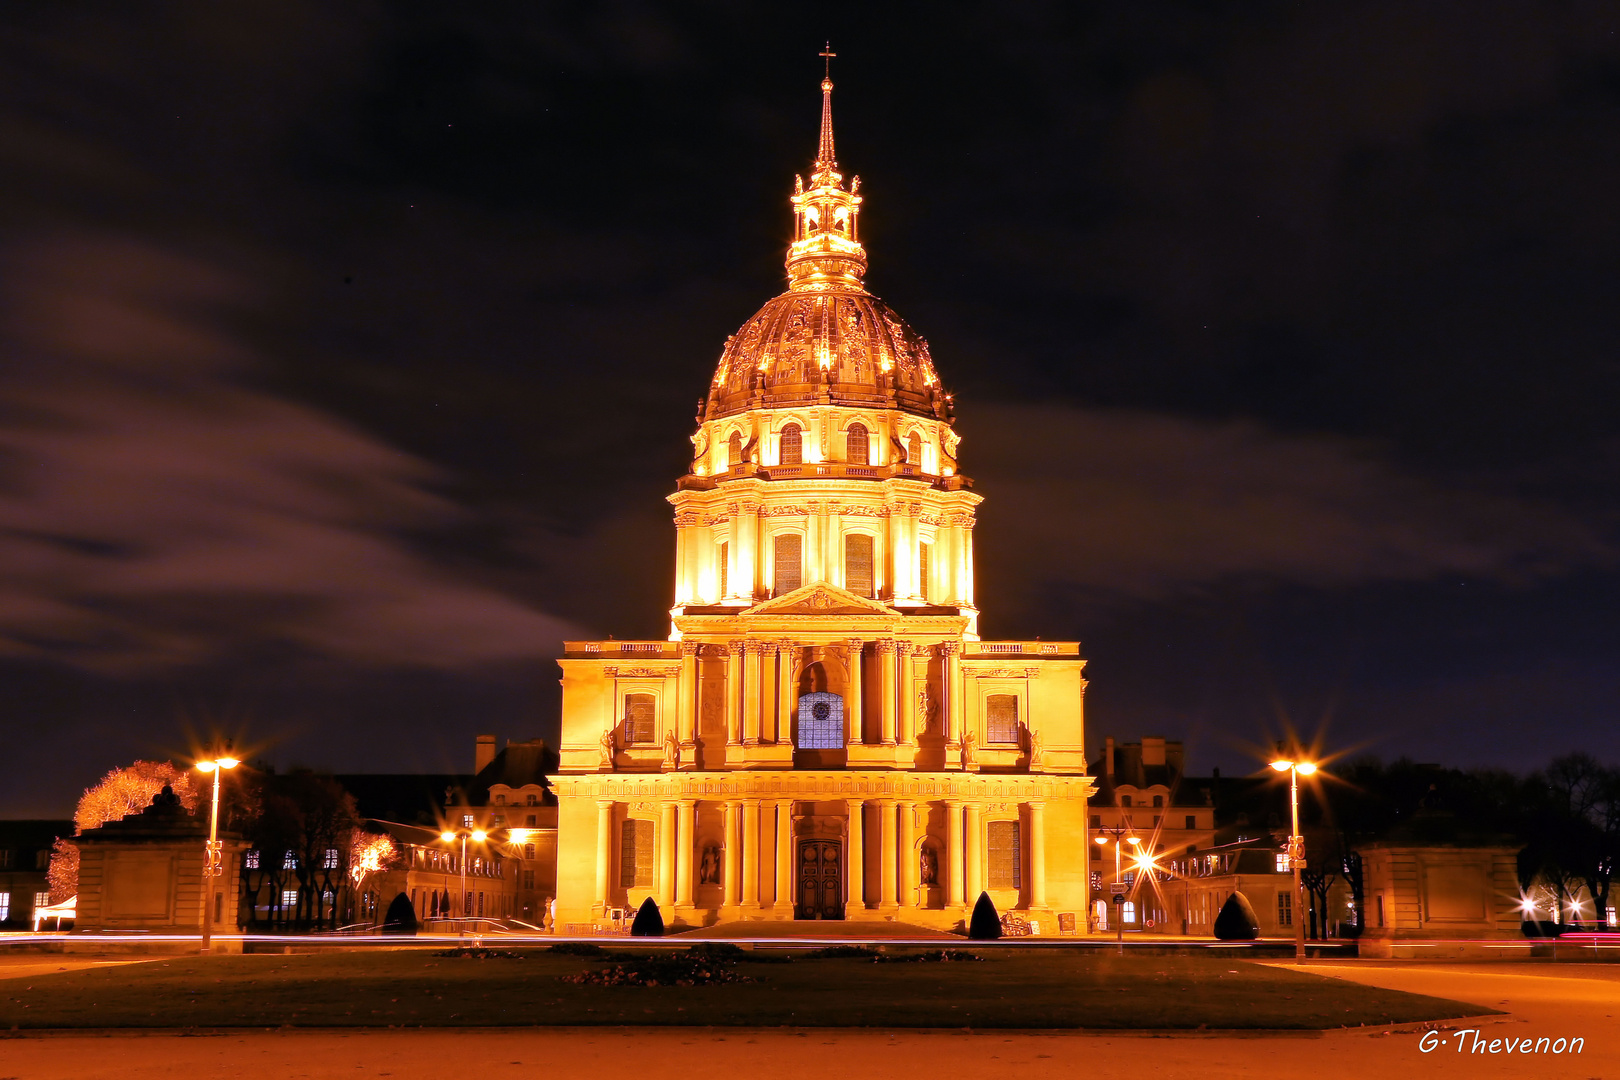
<point>213,861</point>
<point>476,836</point>
<point>1115,834</point>
<point>1296,848</point>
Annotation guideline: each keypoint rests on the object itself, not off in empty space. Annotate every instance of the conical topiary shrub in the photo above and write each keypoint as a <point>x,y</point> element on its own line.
<point>1236,921</point>
<point>986,924</point>
<point>401,917</point>
<point>649,922</point>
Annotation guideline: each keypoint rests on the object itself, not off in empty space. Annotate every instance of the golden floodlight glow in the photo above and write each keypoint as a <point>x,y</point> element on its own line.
<point>1306,768</point>
<point>447,836</point>
<point>1282,766</point>
<point>479,835</point>
<point>1103,840</point>
<point>206,766</point>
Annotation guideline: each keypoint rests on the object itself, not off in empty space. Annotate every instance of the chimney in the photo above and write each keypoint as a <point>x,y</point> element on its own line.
<point>483,752</point>
<point>1153,750</point>
<point>1108,753</point>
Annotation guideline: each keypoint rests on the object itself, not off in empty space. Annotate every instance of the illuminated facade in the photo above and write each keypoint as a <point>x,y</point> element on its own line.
<point>824,735</point>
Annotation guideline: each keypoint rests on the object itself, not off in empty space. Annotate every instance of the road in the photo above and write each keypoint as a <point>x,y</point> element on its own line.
<point>1540,1000</point>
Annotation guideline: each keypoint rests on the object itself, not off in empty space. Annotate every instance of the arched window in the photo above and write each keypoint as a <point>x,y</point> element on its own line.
<point>734,449</point>
<point>858,564</point>
<point>860,445</point>
<point>914,449</point>
<point>821,722</point>
<point>636,854</point>
<point>788,574</point>
<point>638,719</point>
<point>1001,718</point>
<point>792,445</point>
<point>1130,912</point>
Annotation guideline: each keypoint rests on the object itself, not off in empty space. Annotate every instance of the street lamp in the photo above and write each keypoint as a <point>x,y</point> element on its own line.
<point>477,836</point>
<point>213,859</point>
<point>1117,832</point>
<point>1296,848</point>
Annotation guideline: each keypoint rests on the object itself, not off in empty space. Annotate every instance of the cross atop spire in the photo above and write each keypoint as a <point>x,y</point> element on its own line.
<point>825,158</point>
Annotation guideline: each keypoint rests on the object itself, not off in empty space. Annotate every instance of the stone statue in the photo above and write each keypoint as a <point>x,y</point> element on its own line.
<point>970,750</point>
<point>607,748</point>
<point>672,751</point>
<point>709,866</point>
<point>1035,748</point>
<point>925,709</point>
<point>929,867</point>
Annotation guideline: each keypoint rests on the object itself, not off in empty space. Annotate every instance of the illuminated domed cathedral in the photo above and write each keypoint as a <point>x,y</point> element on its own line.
<point>824,735</point>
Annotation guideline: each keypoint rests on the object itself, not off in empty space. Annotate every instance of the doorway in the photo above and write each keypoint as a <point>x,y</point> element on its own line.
<point>821,880</point>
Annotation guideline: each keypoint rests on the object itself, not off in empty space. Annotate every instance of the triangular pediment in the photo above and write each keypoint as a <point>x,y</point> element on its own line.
<point>820,598</point>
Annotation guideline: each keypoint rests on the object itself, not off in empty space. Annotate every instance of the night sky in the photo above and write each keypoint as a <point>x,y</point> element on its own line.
<point>347,353</point>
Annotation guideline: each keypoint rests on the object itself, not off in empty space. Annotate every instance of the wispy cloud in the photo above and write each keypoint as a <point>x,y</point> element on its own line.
<point>156,509</point>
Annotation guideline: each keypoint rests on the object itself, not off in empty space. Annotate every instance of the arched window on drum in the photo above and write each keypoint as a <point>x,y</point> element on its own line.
<point>821,722</point>
<point>914,450</point>
<point>859,445</point>
<point>734,449</point>
<point>792,446</point>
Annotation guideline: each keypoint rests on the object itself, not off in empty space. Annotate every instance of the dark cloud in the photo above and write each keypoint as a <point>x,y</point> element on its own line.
<point>157,510</point>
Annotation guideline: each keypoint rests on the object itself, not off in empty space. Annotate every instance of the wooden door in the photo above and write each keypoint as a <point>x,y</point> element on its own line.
<point>821,880</point>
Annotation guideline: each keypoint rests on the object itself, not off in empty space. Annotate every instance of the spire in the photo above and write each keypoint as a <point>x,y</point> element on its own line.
<point>825,158</point>
<point>826,252</point>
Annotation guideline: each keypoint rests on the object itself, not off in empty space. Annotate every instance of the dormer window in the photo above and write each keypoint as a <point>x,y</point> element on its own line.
<point>792,445</point>
<point>859,449</point>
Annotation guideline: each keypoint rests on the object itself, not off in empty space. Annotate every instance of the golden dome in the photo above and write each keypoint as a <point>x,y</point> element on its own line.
<point>826,347</point>
<point>826,340</point>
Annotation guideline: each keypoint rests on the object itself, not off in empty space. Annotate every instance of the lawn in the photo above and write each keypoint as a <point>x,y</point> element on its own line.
<point>1008,989</point>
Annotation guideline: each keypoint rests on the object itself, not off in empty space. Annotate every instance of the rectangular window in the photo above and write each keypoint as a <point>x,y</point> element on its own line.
<point>1158,800</point>
<point>5,858</point>
<point>1096,881</point>
<point>1192,822</point>
<point>466,821</point>
<point>528,820</point>
<point>1380,909</point>
<point>1001,719</point>
<point>1006,855</point>
<point>42,899</point>
<point>289,899</point>
<point>1124,800</point>
<point>1285,909</point>
<point>500,800</point>
<point>788,573</point>
<point>725,569</point>
<point>531,800</point>
<point>636,854</point>
<point>331,860</point>
<point>1282,863</point>
<point>528,851</point>
<point>922,570</point>
<point>42,859</point>
<point>638,719</point>
<point>250,860</point>
<point>528,879</point>
<point>1096,821</point>
<point>289,861</point>
<point>858,564</point>
<point>5,906</point>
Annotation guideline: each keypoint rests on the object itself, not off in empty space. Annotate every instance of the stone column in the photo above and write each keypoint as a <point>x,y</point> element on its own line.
<point>732,855</point>
<point>753,652</point>
<point>973,878</point>
<point>909,870</point>
<point>734,653</point>
<point>906,718</point>
<point>890,883</point>
<point>855,857</point>
<point>953,853</point>
<point>852,707</point>
<point>750,848</point>
<point>604,851</point>
<point>886,654</point>
<point>967,562</point>
<point>785,854</point>
<point>815,563</point>
<point>686,707</point>
<point>952,652</point>
<point>784,690</point>
<point>746,522</point>
<point>685,838</point>
<point>666,856</point>
<point>1037,854</point>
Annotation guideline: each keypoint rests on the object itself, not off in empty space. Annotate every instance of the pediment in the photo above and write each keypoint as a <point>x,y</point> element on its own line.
<point>820,598</point>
